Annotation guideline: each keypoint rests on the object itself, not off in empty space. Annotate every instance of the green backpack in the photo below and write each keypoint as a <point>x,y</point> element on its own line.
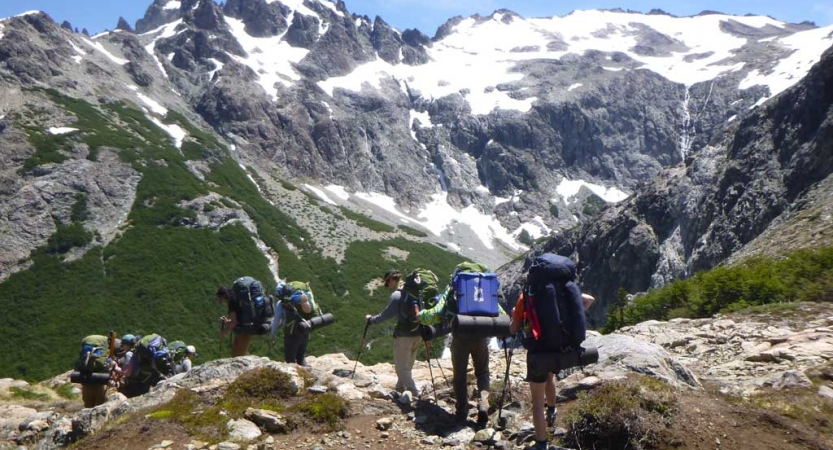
<point>177,350</point>
<point>423,285</point>
<point>154,359</point>
<point>93,356</point>
<point>471,267</point>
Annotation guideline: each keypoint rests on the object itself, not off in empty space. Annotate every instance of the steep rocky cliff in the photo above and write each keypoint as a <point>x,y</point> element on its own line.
<point>763,187</point>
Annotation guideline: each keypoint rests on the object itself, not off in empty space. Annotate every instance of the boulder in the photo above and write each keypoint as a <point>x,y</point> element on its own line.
<point>270,421</point>
<point>242,430</point>
<point>620,354</point>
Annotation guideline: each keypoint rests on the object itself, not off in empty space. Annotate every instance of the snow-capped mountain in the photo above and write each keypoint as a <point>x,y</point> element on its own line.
<point>498,128</point>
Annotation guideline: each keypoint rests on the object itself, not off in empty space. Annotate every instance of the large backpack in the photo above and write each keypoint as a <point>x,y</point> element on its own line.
<point>421,287</point>
<point>255,310</point>
<point>154,359</point>
<point>553,305</point>
<point>177,351</point>
<point>93,355</point>
<point>475,290</point>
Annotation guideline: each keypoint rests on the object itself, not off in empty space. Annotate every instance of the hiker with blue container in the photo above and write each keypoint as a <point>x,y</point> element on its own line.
<point>470,310</point>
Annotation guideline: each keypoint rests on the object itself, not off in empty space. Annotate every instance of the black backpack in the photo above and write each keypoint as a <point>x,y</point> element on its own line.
<point>556,302</point>
<point>255,310</point>
<point>421,287</point>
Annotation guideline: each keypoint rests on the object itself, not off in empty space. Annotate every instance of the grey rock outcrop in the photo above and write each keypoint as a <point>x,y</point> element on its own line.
<point>700,214</point>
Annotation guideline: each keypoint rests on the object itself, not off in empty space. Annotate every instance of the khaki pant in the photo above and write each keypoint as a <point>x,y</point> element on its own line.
<point>240,345</point>
<point>93,394</point>
<point>405,350</point>
<point>478,348</point>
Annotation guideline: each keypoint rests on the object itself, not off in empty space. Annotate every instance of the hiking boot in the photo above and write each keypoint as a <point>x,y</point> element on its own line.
<point>551,414</point>
<point>540,445</point>
<point>483,408</point>
<point>405,398</point>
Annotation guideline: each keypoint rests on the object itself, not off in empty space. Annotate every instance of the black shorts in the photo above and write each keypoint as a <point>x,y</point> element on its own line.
<point>540,365</point>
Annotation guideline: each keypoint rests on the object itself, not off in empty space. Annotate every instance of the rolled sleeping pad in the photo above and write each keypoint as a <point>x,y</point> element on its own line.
<point>319,321</point>
<point>479,326</point>
<point>89,378</point>
<point>568,360</point>
<point>430,332</point>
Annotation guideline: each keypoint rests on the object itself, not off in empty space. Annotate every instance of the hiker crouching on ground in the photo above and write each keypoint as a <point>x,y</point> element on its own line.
<point>406,336</point>
<point>549,294</point>
<point>296,306</point>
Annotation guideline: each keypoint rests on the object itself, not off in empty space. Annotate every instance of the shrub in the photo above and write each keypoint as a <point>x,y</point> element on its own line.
<point>261,384</point>
<point>627,414</point>
<point>27,394</point>
<point>412,231</point>
<point>65,391</point>
<point>804,275</point>
<point>366,221</point>
<point>554,210</point>
<point>68,237</point>
<point>593,205</point>
<point>525,238</point>
<point>325,408</point>
<point>79,209</point>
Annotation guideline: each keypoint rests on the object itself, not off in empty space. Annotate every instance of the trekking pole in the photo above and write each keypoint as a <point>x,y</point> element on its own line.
<point>509,352</point>
<point>439,364</point>
<point>222,327</point>
<point>361,347</point>
<point>431,371</point>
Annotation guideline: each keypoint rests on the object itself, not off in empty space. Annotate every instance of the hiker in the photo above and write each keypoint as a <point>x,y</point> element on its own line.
<point>124,350</point>
<point>551,313</point>
<point>296,306</point>
<point>249,313</point>
<point>464,343</point>
<point>186,363</point>
<point>151,363</point>
<point>182,355</point>
<point>407,338</point>
<point>92,370</point>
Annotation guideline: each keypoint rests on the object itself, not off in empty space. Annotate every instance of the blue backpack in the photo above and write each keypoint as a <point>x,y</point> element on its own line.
<point>476,290</point>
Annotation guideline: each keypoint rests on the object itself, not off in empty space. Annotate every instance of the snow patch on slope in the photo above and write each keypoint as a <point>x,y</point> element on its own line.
<point>105,52</point>
<point>270,57</point>
<point>479,55</point>
<point>569,188</point>
<point>152,104</point>
<point>61,130</point>
<point>174,130</point>
<point>320,194</point>
<point>168,30</point>
<point>807,47</point>
<point>338,191</point>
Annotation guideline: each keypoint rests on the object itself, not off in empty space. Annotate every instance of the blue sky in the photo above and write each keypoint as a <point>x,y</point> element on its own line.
<point>427,15</point>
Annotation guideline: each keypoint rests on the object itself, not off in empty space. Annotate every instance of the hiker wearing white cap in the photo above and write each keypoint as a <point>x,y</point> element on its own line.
<point>187,362</point>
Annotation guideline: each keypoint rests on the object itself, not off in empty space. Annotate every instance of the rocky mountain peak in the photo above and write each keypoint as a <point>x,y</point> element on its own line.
<point>123,25</point>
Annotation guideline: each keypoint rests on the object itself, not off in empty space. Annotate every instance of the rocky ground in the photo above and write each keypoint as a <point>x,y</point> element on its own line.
<point>761,380</point>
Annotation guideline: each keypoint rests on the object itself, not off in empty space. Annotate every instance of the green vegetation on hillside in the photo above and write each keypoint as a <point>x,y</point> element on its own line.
<point>160,273</point>
<point>412,231</point>
<point>366,221</point>
<point>804,275</point>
